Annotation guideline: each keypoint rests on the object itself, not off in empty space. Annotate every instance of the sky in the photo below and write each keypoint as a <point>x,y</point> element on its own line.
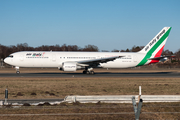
<point>107,24</point>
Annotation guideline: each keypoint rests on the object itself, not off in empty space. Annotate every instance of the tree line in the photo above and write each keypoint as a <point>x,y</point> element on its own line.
<point>7,50</point>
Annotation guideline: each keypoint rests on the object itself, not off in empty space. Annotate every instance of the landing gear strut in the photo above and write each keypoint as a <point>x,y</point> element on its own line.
<point>88,71</point>
<point>17,70</point>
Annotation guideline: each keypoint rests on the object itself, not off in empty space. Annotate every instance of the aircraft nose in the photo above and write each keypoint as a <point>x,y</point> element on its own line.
<point>6,60</point>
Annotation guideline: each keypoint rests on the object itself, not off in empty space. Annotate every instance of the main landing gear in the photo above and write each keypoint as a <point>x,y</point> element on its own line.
<point>88,71</point>
<point>17,70</point>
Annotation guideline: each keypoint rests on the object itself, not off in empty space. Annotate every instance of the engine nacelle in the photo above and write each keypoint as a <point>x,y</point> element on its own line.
<point>69,66</point>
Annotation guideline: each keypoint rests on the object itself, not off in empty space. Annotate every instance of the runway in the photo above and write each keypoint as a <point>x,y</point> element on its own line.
<point>99,74</point>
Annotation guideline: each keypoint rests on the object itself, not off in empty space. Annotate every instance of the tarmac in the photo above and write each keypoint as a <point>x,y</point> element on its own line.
<point>98,74</point>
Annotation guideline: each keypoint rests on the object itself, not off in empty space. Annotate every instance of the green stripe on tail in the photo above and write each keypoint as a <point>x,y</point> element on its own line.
<point>149,53</point>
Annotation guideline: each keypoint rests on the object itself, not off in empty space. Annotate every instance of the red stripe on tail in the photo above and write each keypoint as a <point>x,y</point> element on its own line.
<point>157,55</point>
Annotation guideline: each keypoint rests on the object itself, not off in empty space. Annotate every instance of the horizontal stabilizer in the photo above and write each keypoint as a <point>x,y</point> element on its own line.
<point>158,58</point>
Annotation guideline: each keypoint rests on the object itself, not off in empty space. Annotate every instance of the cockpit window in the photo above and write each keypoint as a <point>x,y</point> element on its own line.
<point>11,56</point>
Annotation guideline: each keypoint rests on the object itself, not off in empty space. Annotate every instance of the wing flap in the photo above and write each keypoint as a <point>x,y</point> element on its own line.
<point>97,61</point>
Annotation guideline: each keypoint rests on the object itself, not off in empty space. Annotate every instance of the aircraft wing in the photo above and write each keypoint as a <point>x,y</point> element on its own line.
<point>95,62</point>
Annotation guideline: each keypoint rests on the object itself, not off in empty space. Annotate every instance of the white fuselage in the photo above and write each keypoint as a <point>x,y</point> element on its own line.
<point>72,61</point>
<point>55,59</point>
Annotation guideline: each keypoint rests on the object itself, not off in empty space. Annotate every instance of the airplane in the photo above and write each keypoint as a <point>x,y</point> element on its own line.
<point>72,61</point>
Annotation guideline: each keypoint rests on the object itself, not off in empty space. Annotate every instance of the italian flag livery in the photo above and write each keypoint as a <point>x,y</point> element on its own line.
<point>72,61</point>
<point>152,51</point>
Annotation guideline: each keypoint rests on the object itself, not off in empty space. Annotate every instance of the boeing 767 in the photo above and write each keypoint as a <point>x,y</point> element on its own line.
<point>72,61</point>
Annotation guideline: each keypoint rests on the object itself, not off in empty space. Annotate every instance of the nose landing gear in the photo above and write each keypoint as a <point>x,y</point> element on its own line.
<point>17,70</point>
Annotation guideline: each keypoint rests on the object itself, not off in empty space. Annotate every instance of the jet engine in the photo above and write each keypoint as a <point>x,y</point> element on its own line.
<point>69,66</point>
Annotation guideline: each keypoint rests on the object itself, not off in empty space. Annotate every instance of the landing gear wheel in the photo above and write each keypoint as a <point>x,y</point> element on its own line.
<point>84,72</point>
<point>88,71</point>
<point>92,72</point>
<point>17,70</point>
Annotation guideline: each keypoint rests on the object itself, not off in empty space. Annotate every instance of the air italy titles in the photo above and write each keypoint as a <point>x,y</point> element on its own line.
<point>35,55</point>
<point>154,40</point>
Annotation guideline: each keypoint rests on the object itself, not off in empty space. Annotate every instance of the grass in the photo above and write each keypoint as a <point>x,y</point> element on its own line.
<point>76,111</point>
<point>28,88</point>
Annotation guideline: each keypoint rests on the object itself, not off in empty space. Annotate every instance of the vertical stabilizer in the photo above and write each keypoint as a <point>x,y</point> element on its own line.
<point>155,47</point>
<point>158,42</point>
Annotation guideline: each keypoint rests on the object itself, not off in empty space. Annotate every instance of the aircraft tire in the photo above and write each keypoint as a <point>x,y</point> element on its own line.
<point>84,72</point>
<point>92,72</point>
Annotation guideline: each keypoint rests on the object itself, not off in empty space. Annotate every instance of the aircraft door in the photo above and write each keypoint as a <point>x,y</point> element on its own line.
<point>135,59</point>
<point>21,58</point>
<point>98,57</point>
<point>54,58</point>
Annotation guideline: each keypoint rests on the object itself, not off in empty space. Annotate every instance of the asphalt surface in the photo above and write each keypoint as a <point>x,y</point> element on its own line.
<point>99,74</point>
